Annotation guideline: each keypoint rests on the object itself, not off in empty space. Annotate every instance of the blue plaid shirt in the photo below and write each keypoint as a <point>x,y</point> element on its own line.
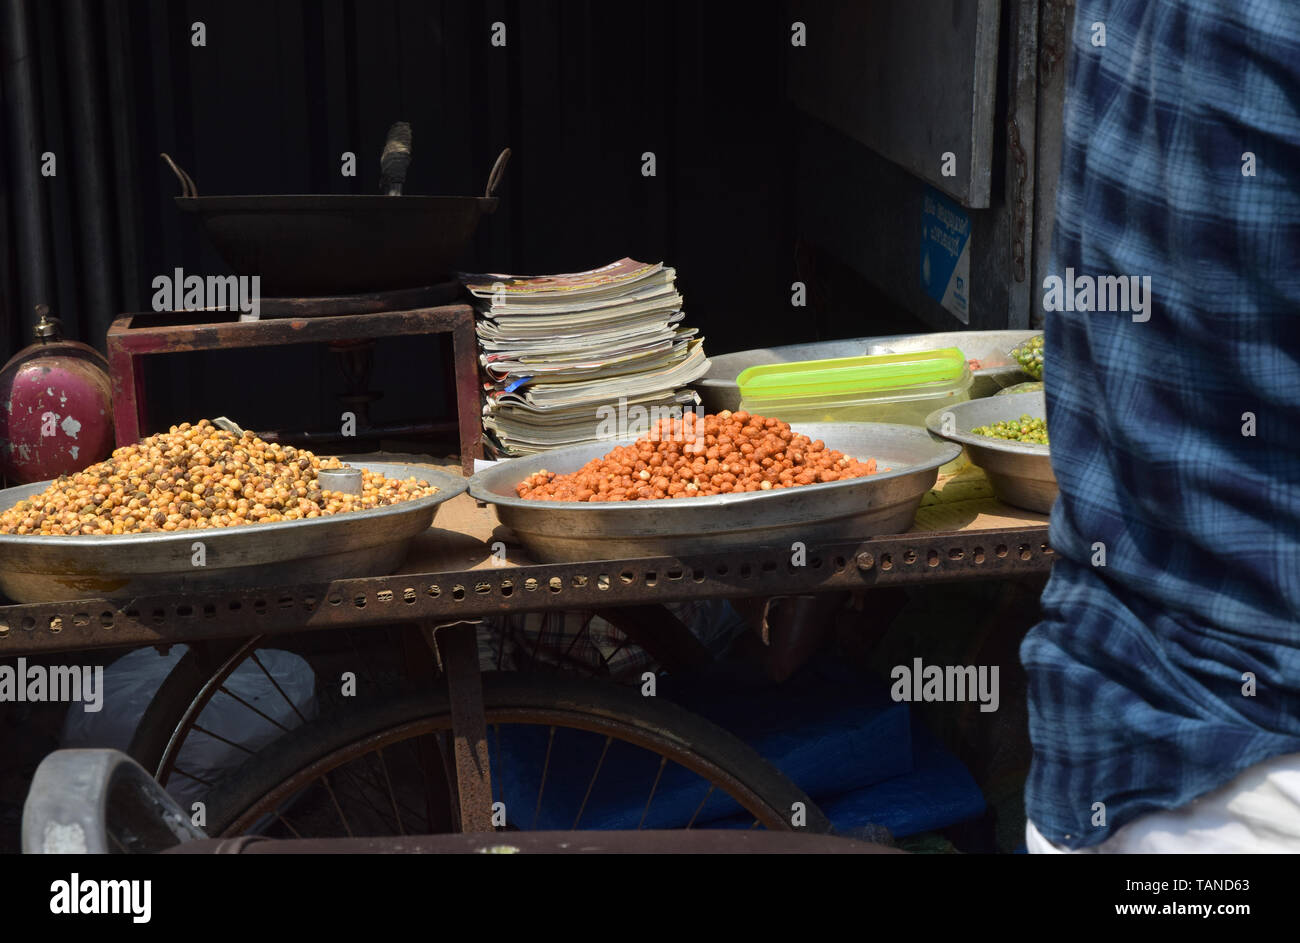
<point>1140,672</point>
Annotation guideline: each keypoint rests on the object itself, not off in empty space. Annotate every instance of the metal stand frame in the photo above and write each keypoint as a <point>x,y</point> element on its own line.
<point>134,336</point>
<point>447,606</point>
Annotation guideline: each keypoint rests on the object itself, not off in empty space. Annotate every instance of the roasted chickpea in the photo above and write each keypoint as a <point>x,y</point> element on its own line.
<point>193,476</point>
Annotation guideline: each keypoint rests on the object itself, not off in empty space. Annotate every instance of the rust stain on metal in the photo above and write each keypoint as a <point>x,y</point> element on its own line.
<point>90,584</point>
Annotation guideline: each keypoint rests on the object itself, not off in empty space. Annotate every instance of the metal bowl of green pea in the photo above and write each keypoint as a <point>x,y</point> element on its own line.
<point>1010,445</point>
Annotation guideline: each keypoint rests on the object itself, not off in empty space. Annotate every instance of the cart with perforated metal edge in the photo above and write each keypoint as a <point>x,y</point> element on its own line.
<point>438,714</point>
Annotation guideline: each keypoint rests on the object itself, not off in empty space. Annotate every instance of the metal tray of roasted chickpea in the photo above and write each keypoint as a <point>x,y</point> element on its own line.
<point>907,459</point>
<point>370,542</point>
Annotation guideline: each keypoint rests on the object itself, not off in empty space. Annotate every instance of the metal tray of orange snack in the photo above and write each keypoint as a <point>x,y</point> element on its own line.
<point>907,462</point>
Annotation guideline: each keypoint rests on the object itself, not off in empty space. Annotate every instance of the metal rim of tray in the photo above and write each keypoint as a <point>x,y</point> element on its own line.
<point>481,491</point>
<point>317,550</point>
<point>1020,472</point>
<point>448,486</point>
<point>807,515</point>
<point>934,422</point>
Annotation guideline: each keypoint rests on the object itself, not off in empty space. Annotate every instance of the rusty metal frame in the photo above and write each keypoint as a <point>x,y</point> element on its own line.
<point>457,645</point>
<point>134,336</point>
<point>440,598</point>
<point>446,606</point>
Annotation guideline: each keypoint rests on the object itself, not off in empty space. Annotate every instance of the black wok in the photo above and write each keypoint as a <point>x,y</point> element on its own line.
<point>340,244</point>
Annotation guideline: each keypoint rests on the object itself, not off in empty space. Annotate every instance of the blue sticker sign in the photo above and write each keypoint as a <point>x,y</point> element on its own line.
<point>945,253</point>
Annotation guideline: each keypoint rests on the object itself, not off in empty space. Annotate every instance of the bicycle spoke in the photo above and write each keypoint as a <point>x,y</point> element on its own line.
<point>546,766</point>
<point>190,775</point>
<point>663,761</point>
<point>541,630</point>
<point>355,779</point>
<point>287,824</point>
<point>392,796</point>
<point>360,779</point>
<point>591,785</point>
<point>501,648</point>
<point>287,699</point>
<point>424,777</point>
<point>425,759</point>
<point>362,774</point>
<point>371,674</point>
<point>712,786</point>
<point>567,654</point>
<point>177,771</point>
<point>445,761</point>
<point>229,693</point>
<point>330,789</point>
<point>216,736</point>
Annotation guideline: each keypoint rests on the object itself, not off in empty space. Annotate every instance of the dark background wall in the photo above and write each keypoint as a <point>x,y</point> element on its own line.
<point>283,88</point>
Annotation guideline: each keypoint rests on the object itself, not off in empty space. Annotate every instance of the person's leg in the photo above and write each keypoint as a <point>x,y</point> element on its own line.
<point>1038,845</point>
<point>1258,812</point>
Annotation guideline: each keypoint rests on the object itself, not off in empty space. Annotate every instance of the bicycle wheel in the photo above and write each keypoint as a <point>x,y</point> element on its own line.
<point>204,672</point>
<point>380,657</point>
<point>349,774</point>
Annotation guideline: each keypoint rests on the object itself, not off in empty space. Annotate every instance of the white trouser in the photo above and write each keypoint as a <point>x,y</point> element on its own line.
<point>1257,812</point>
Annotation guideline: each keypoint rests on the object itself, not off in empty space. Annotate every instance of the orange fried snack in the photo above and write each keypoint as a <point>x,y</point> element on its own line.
<point>699,456</point>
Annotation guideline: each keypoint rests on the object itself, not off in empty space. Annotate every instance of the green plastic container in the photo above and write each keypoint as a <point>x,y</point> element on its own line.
<point>902,388</point>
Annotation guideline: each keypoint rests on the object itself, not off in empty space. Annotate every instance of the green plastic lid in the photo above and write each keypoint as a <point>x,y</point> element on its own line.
<point>848,375</point>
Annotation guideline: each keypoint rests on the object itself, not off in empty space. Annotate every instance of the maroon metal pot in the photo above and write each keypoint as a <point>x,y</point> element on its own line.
<point>56,413</point>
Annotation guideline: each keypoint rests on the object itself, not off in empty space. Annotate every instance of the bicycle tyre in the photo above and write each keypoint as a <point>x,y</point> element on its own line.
<point>290,763</point>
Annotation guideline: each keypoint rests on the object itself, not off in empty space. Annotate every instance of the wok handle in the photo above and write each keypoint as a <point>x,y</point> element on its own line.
<point>498,170</point>
<point>395,158</point>
<point>188,189</point>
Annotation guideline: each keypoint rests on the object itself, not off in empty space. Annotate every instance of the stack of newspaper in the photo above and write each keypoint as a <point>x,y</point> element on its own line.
<point>576,358</point>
